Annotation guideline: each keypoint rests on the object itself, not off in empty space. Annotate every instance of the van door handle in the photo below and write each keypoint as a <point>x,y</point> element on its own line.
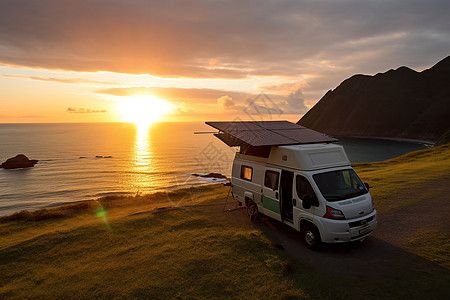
<point>294,202</point>
<point>276,195</point>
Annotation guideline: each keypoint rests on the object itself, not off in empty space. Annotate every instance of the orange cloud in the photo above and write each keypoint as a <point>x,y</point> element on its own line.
<point>223,39</point>
<point>80,110</point>
<point>62,80</point>
<point>176,94</point>
<point>226,102</point>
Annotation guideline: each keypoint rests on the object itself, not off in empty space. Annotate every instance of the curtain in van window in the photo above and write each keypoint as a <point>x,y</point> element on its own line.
<point>246,173</point>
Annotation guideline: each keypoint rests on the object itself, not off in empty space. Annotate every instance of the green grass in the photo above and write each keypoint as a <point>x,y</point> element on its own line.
<point>178,253</point>
<point>197,252</point>
<point>432,244</point>
<point>202,252</point>
<point>407,177</point>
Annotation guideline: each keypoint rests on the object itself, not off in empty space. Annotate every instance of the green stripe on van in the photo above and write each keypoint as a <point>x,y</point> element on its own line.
<point>271,204</point>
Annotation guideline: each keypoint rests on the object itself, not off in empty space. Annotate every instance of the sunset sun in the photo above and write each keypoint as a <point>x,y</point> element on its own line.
<point>143,109</point>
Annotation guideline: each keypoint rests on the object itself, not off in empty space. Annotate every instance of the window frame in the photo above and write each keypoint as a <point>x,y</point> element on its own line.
<point>315,199</point>
<point>277,181</point>
<point>242,172</point>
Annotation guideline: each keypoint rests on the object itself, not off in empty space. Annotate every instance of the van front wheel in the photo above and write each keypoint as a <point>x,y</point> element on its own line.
<point>311,237</point>
<point>252,210</point>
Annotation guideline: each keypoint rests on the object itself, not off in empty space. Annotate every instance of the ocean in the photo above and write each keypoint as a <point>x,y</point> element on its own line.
<point>87,161</point>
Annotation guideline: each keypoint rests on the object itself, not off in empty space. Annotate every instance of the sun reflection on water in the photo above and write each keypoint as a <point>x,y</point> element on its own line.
<point>142,165</point>
<point>142,147</point>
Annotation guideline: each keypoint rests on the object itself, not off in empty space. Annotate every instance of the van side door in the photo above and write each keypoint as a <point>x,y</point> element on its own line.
<point>271,193</point>
<point>305,199</point>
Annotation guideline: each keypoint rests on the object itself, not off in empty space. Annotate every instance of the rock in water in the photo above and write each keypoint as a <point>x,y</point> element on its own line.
<point>211,175</point>
<point>19,161</point>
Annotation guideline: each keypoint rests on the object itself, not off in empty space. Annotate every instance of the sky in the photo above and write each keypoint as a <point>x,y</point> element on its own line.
<point>110,60</point>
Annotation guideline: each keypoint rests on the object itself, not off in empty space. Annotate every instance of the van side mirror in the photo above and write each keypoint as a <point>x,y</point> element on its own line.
<point>367,185</point>
<point>306,201</point>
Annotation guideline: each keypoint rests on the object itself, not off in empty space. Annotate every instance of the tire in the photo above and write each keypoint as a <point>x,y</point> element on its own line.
<point>252,210</point>
<point>311,237</point>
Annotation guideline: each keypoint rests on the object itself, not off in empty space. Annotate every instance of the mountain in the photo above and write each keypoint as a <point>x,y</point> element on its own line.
<point>399,103</point>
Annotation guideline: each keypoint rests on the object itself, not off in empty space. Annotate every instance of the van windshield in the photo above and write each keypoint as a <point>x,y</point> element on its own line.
<point>339,185</point>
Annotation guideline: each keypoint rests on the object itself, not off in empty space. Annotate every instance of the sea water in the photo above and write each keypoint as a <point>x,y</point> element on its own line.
<point>86,161</point>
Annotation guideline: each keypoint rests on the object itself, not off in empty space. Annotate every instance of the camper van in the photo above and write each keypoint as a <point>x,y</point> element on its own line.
<point>309,186</point>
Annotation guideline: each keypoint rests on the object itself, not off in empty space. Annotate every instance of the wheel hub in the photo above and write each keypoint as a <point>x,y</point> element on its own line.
<point>309,237</point>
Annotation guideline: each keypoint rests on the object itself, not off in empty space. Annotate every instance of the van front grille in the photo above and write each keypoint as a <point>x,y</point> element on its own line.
<point>361,222</point>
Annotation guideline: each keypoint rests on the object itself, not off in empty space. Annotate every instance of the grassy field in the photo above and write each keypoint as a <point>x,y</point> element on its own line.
<point>419,183</point>
<point>416,170</point>
<point>108,248</point>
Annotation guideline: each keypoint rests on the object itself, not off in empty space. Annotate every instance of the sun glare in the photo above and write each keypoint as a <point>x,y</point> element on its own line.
<point>143,110</point>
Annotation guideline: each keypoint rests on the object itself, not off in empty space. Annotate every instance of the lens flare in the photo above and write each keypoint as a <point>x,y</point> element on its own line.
<point>101,213</point>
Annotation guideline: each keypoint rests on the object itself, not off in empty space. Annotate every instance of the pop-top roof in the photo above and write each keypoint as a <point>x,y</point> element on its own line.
<point>267,133</point>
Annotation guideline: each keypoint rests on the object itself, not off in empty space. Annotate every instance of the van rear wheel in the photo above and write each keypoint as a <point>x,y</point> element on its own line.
<point>311,237</point>
<point>252,210</point>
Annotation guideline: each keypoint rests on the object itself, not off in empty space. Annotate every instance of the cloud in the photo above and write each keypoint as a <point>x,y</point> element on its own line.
<point>79,110</point>
<point>224,39</point>
<point>288,100</point>
<point>61,80</point>
<point>285,88</point>
<point>262,106</point>
<point>226,103</point>
<point>174,94</point>
<point>296,103</point>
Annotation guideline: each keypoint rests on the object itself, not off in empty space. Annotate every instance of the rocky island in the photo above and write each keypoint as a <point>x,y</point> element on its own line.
<point>19,161</point>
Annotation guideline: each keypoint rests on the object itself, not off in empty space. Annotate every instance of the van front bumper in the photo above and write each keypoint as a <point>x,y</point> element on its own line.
<point>339,231</point>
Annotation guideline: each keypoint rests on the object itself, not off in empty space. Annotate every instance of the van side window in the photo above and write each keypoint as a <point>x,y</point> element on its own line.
<point>305,188</point>
<point>271,179</point>
<point>246,173</point>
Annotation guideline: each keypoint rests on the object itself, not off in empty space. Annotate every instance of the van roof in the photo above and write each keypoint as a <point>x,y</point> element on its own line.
<point>305,157</point>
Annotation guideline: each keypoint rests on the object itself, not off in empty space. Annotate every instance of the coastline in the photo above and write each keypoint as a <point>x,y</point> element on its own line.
<point>189,181</point>
<point>426,143</point>
<point>155,196</point>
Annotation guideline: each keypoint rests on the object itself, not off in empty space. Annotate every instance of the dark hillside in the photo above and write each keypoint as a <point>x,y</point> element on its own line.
<point>399,103</point>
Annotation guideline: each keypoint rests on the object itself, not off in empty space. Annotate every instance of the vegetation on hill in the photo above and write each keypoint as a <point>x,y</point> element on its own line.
<point>444,139</point>
<point>412,171</point>
<point>399,103</point>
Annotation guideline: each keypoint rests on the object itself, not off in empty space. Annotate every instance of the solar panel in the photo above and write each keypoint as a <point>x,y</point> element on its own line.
<point>267,133</point>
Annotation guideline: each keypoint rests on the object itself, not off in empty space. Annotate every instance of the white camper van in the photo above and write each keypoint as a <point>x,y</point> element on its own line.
<point>309,186</point>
